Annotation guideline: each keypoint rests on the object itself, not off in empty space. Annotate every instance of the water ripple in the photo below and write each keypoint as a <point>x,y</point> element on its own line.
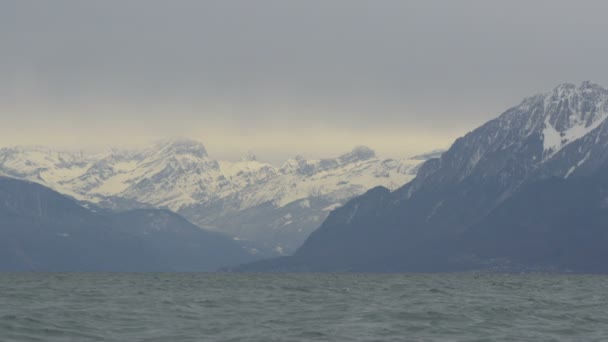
<point>293,307</point>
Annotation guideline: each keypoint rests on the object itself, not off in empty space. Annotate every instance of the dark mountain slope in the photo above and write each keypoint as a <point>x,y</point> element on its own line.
<point>553,224</point>
<point>181,245</point>
<point>42,230</point>
<point>456,203</point>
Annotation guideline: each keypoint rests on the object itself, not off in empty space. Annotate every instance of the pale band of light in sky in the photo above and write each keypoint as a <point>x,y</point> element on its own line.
<point>280,78</point>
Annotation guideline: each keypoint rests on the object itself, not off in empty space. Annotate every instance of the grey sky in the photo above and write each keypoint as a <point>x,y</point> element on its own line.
<point>313,77</point>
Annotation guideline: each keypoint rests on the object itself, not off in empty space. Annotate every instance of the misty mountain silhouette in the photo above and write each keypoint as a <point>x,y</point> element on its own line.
<point>42,230</point>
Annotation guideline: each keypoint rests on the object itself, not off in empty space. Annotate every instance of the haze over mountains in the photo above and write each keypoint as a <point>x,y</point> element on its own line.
<point>270,209</point>
<point>525,191</point>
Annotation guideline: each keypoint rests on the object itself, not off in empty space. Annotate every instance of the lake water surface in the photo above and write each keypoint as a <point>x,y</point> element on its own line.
<point>302,307</point>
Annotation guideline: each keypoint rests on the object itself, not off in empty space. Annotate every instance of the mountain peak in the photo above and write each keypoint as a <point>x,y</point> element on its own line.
<point>569,106</point>
<point>567,89</point>
<point>183,146</point>
<point>250,157</point>
<point>564,86</point>
<point>359,153</point>
<point>591,85</point>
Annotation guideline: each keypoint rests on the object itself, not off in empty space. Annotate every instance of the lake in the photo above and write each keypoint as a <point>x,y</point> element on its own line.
<point>302,307</point>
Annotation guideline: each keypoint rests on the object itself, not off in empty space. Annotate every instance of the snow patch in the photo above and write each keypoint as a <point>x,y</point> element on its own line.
<point>304,204</point>
<point>332,207</point>
<point>554,141</point>
<point>580,162</point>
<point>581,119</point>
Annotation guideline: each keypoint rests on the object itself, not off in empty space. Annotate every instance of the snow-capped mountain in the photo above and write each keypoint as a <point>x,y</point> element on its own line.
<point>526,190</point>
<point>44,165</point>
<point>283,209</point>
<point>554,133</point>
<point>276,207</point>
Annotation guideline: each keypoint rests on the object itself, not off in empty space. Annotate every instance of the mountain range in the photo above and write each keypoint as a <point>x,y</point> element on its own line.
<point>527,191</point>
<point>271,210</point>
<point>43,230</point>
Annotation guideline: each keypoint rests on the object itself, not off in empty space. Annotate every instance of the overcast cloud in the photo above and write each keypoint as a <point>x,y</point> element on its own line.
<point>311,77</point>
